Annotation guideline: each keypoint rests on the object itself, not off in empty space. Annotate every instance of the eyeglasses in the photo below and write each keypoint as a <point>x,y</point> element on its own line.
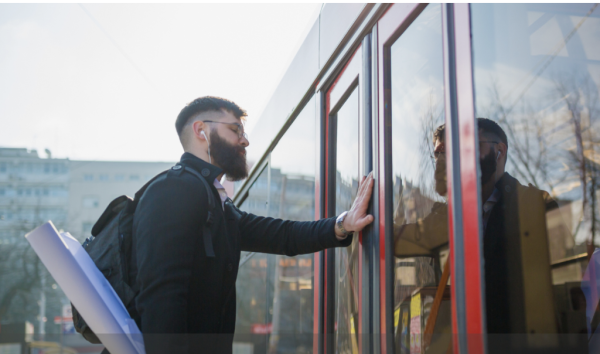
<point>239,130</point>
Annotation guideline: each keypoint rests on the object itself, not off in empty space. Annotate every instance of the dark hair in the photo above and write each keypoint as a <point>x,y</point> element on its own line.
<point>491,127</point>
<point>487,125</point>
<point>207,104</point>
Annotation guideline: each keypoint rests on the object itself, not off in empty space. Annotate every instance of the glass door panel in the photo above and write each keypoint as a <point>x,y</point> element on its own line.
<point>421,286</point>
<point>346,259</point>
<point>537,82</point>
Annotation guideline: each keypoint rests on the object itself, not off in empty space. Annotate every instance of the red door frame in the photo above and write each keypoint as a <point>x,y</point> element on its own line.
<point>389,27</point>
<point>346,81</point>
<point>460,106</point>
<point>463,211</point>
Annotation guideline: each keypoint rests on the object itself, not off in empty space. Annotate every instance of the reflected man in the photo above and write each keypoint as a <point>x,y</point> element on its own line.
<point>518,283</point>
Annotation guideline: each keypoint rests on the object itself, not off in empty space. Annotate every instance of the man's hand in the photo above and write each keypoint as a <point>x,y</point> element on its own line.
<point>357,217</point>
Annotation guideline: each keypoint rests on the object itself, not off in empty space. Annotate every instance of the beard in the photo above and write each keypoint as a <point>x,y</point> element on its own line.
<point>488,167</point>
<point>441,184</point>
<point>231,158</point>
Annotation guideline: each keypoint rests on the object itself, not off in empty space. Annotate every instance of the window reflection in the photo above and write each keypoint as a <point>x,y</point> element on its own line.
<point>537,78</point>
<point>275,293</point>
<point>421,288</point>
<point>346,259</point>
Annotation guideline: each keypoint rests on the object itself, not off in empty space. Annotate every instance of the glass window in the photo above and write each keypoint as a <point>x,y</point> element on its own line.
<point>88,177</point>
<point>119,177</point>
<point>253,321</point>
<point>537,83</point>
<point>275,293</point>
<point>420,216</point>
<point>103,177</point>
<point>134,177</point>
<point>346,259</point>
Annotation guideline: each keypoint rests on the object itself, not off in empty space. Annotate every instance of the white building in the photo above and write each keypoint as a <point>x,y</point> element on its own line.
<point>32,190</point>
<point>94,184</point>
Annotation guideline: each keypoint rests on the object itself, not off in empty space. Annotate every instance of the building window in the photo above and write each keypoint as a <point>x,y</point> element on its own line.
<point>90,202</point>
<point>134,177</point>
<point>103,177</point>
<point>2,191</point>
<point>119,177</point>
<point>88,177</point>
<point>3,167</point>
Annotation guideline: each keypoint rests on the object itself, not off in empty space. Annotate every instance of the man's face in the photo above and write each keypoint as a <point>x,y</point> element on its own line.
<point>228,149</point>
<point>439,154</point>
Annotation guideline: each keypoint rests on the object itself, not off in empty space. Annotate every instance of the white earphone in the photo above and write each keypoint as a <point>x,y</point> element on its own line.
<point>208,142</point>
<point>498,155</point>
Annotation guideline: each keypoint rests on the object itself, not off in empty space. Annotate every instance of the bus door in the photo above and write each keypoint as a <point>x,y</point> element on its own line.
<point>415,290</point>
<point>347,150</point>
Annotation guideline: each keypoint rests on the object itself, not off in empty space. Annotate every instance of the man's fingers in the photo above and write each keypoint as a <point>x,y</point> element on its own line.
<point>363,222</point>
<point>365,195</point>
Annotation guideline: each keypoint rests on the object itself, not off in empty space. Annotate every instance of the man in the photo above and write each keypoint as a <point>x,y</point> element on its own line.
<point>515,244</point>
<point>518,282</point>
<point>187,299</point>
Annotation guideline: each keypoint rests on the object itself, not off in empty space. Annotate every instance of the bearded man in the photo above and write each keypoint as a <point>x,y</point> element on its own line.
<point>187,298</point>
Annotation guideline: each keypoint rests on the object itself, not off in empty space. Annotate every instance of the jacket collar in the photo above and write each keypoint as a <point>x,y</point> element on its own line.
<point>209,171</point>
<point>506,184</point>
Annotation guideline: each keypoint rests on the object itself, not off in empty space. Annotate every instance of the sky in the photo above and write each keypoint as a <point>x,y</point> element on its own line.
<point>106,81</point>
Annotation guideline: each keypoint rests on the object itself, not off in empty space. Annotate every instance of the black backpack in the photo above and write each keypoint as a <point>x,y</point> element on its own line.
<point>110,247</point>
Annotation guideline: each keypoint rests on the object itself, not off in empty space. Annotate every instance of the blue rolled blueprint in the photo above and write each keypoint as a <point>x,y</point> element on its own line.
<point>87,288</point>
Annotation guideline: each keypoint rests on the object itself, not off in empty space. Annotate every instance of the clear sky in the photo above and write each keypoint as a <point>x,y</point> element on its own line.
<point>106,81</point>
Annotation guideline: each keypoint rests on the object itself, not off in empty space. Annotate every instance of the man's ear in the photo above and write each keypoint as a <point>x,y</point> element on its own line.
<point>197,129</point>
<point>503,149</point>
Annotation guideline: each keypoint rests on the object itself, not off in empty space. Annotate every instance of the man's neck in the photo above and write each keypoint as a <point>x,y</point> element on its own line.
<point>203,155</point>
<point>488,188</point>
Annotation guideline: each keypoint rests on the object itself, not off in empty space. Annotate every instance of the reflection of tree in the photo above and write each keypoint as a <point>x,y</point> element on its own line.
<point>552,140</point>
<point>21,271</point>
<point>431,118</point>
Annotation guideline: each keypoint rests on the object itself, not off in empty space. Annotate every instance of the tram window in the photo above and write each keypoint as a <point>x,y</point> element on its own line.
<point>346,259</point>
<point>293,173</point>
<point>421,319</point>
<point>537,83</point>
<point>253,318</point>
<point>275,293</point>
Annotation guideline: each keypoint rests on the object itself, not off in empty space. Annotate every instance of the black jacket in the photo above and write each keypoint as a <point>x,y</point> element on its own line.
<point>186,300</point>
<point>520,212</point>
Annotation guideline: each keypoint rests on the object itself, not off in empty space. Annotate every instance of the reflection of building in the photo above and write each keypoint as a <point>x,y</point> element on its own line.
<point>275,293</point>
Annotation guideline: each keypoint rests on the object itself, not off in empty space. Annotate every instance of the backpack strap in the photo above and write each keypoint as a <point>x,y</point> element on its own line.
<point>139,193</point>
<point>210,218</point>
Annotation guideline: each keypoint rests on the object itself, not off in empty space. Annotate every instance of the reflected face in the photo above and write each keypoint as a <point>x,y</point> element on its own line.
<point>487,157</point>
<point>439,154</point>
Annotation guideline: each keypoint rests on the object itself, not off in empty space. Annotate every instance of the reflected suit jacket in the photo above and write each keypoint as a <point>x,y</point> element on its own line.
<point>187,300</point>
<point>517,262</point>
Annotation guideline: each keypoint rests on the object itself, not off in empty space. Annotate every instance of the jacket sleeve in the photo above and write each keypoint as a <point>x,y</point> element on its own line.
<point>290,238</point>
<point>166,226</point>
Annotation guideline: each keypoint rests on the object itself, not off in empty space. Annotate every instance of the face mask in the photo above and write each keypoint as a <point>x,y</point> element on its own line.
<point>231,158</point>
